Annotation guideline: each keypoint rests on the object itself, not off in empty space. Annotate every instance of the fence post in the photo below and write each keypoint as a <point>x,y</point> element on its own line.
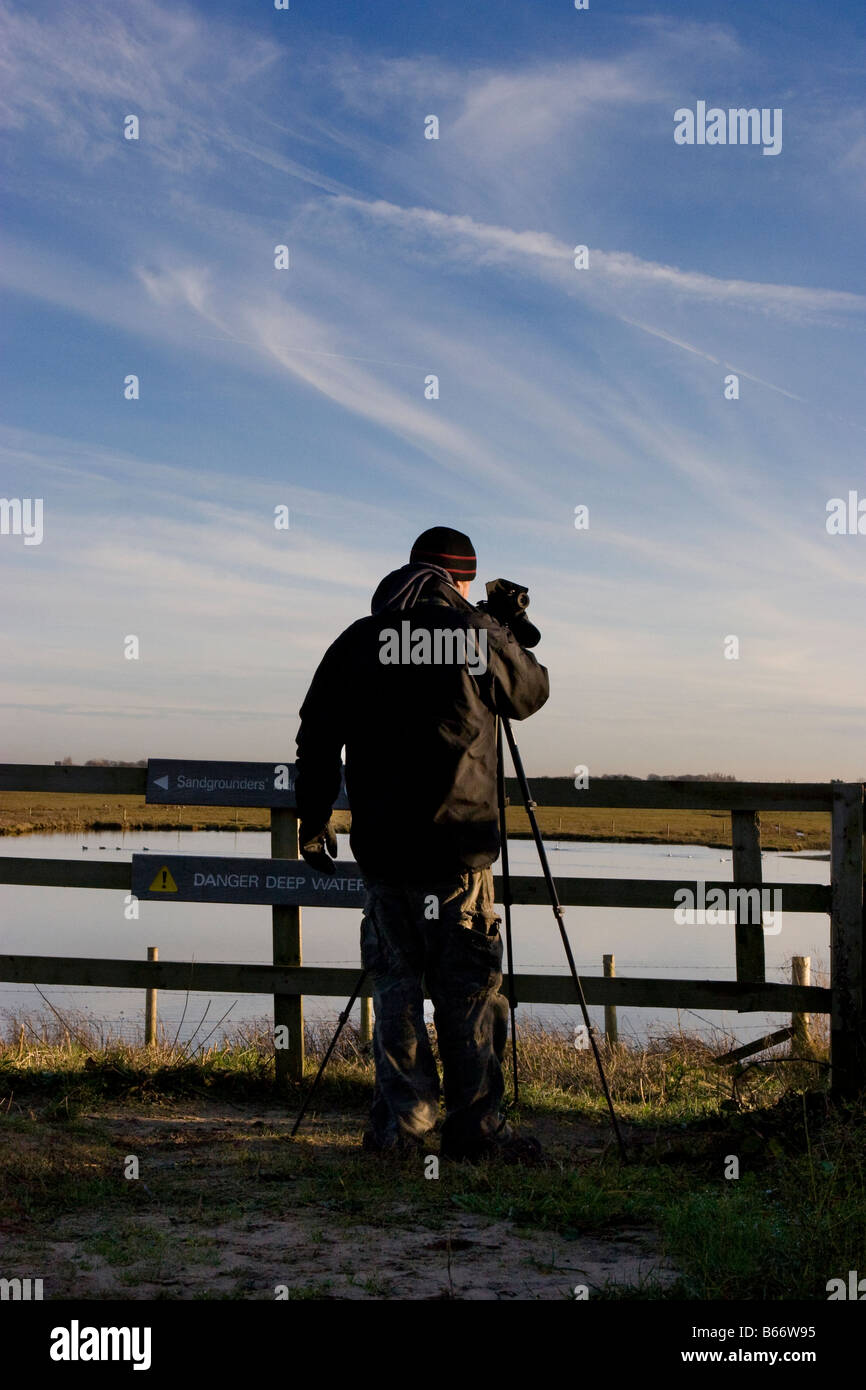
<point>746,863</point>
<point>611,1031</point>
<point>288,1008</point>
<point>847,1050</point>
<point>801,1041</point>
<point>366,1019</point>
<point>150,1004</point>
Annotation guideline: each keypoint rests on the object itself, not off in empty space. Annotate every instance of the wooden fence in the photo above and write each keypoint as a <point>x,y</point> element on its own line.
<point>287,885</point>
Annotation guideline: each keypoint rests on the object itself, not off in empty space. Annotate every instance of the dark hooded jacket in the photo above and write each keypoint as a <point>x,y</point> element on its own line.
<point>420,739</point>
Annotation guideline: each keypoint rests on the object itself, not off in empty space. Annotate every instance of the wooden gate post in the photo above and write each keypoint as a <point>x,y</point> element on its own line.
<point>150,1004</point>
<point>801,1040</point>
<point>847,1046</point>
<point>746,857</point>
<point>288,1008</point>
<point>366,1030</point>
<point>611,1031</point>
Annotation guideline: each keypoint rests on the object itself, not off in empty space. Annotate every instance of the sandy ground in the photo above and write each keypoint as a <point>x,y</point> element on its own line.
<point>262,1256</point>
<point>264,1260</point>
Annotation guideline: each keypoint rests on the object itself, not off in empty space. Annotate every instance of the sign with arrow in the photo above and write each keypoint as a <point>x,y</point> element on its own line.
<point>195,782</point>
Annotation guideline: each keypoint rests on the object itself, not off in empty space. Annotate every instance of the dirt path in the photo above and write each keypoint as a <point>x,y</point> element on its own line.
<point>224,1207</point>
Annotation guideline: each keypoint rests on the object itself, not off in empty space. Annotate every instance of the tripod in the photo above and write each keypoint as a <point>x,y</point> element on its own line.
<point>560,922</point>
<point>529,805</point>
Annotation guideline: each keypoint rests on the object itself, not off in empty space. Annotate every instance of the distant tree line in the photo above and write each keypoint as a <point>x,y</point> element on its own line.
<point>105,762</point>
<point>691,777</point>
<point>670,777</point>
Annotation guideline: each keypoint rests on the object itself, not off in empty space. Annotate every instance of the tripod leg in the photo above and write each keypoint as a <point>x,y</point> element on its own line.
<point>557,912</point>
<point>344,1018</point>
<point>506,900</point>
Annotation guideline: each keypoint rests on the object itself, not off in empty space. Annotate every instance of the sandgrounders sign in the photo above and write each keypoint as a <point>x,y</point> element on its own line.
<point>195,782</point>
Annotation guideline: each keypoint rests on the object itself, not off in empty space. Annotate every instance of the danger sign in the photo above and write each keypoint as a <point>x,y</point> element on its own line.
<point>229,879</point>
<point>163,883</point>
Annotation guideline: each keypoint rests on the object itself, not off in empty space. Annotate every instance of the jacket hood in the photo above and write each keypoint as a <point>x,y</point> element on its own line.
<point>411,584</point>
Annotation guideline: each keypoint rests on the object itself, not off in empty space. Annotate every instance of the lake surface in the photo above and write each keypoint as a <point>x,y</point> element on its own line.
<point>90,922</point>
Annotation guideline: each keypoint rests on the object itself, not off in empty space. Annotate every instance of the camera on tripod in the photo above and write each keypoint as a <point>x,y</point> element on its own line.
<point>507,602</point>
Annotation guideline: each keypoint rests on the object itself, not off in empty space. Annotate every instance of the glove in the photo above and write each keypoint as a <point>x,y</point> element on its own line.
<point>313,845</point>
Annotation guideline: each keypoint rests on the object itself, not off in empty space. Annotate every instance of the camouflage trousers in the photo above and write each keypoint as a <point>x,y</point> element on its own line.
<point>444,936</point>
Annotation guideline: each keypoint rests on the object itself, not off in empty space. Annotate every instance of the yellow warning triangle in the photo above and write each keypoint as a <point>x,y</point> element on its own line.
<point>163,883</point>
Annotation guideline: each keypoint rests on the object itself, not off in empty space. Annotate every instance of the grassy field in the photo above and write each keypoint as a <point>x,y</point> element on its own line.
<point>23,813</point>
<point>226,1205</point>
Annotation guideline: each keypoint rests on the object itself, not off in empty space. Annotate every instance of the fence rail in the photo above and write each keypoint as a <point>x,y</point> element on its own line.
<point>288,980</point>
<point>526,890</point>
<point>610,793</point>
<point>338,981</point>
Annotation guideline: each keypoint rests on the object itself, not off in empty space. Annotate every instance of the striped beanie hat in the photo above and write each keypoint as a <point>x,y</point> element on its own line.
<point>450,550</point>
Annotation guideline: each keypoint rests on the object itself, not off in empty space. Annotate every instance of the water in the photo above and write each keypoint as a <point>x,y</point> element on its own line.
<point>645,942</point>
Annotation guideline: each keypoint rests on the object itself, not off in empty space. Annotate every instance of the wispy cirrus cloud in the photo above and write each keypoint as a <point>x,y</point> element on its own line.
<point>488,244</point>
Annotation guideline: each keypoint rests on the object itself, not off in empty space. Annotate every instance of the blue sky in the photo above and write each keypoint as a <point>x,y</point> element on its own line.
<point>558,387</point>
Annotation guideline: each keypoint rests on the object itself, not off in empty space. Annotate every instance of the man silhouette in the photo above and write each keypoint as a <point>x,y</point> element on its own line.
<point>413,693</point>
